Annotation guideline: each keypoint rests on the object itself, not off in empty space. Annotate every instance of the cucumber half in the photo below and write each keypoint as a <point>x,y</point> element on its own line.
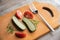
<point>18,23</point>
<point>29,24</point>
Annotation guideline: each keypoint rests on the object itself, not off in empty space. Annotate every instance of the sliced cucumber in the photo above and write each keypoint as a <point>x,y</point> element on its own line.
<point>29,24</point>
<point>18,23</point>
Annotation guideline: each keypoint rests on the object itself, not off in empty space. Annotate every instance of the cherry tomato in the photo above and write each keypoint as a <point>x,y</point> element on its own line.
<point>20,34</point>
<point>28,14</point>
<point>19,14</point>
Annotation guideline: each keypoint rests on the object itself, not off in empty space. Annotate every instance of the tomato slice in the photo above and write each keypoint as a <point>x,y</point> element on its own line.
<point>19,14</point>
<point>28,14</point>
<point>20,34</point>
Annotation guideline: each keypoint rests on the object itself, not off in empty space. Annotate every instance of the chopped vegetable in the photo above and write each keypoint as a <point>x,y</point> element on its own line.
<point>18,23</point>
<point>29,24</point>
<point>19,14</point>
<point>28,14</point>
<point>20,34</point>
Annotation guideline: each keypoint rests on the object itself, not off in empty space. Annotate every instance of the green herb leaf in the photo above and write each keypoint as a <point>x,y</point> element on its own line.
<point>35,22</point>
<point>10,29</point>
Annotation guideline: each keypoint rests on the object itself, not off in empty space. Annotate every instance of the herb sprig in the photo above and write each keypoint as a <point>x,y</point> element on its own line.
<point>35,22</point>
<point>10,29</point>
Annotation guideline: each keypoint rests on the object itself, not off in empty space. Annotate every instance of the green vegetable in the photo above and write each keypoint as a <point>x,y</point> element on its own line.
<point>18,23</point>
<point>29,24</point>
<point>10,29</point>
<point>35,22</point>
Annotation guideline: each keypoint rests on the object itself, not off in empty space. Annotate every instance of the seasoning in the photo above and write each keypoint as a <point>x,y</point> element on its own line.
<point>35,22</point>
<point>10,29</point>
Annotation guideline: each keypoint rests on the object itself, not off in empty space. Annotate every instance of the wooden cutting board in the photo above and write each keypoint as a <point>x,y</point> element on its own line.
<point>41,28</point>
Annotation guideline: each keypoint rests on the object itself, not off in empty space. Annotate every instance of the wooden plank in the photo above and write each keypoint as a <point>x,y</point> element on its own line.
<point>41,28</point>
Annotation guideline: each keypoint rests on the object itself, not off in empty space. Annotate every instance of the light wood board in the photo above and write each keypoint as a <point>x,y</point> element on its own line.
<point>41,28</point>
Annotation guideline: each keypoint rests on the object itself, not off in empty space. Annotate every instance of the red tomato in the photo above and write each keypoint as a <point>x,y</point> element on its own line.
<point>28,14</point>
<point>20,34</point>
<point>19,14</point>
